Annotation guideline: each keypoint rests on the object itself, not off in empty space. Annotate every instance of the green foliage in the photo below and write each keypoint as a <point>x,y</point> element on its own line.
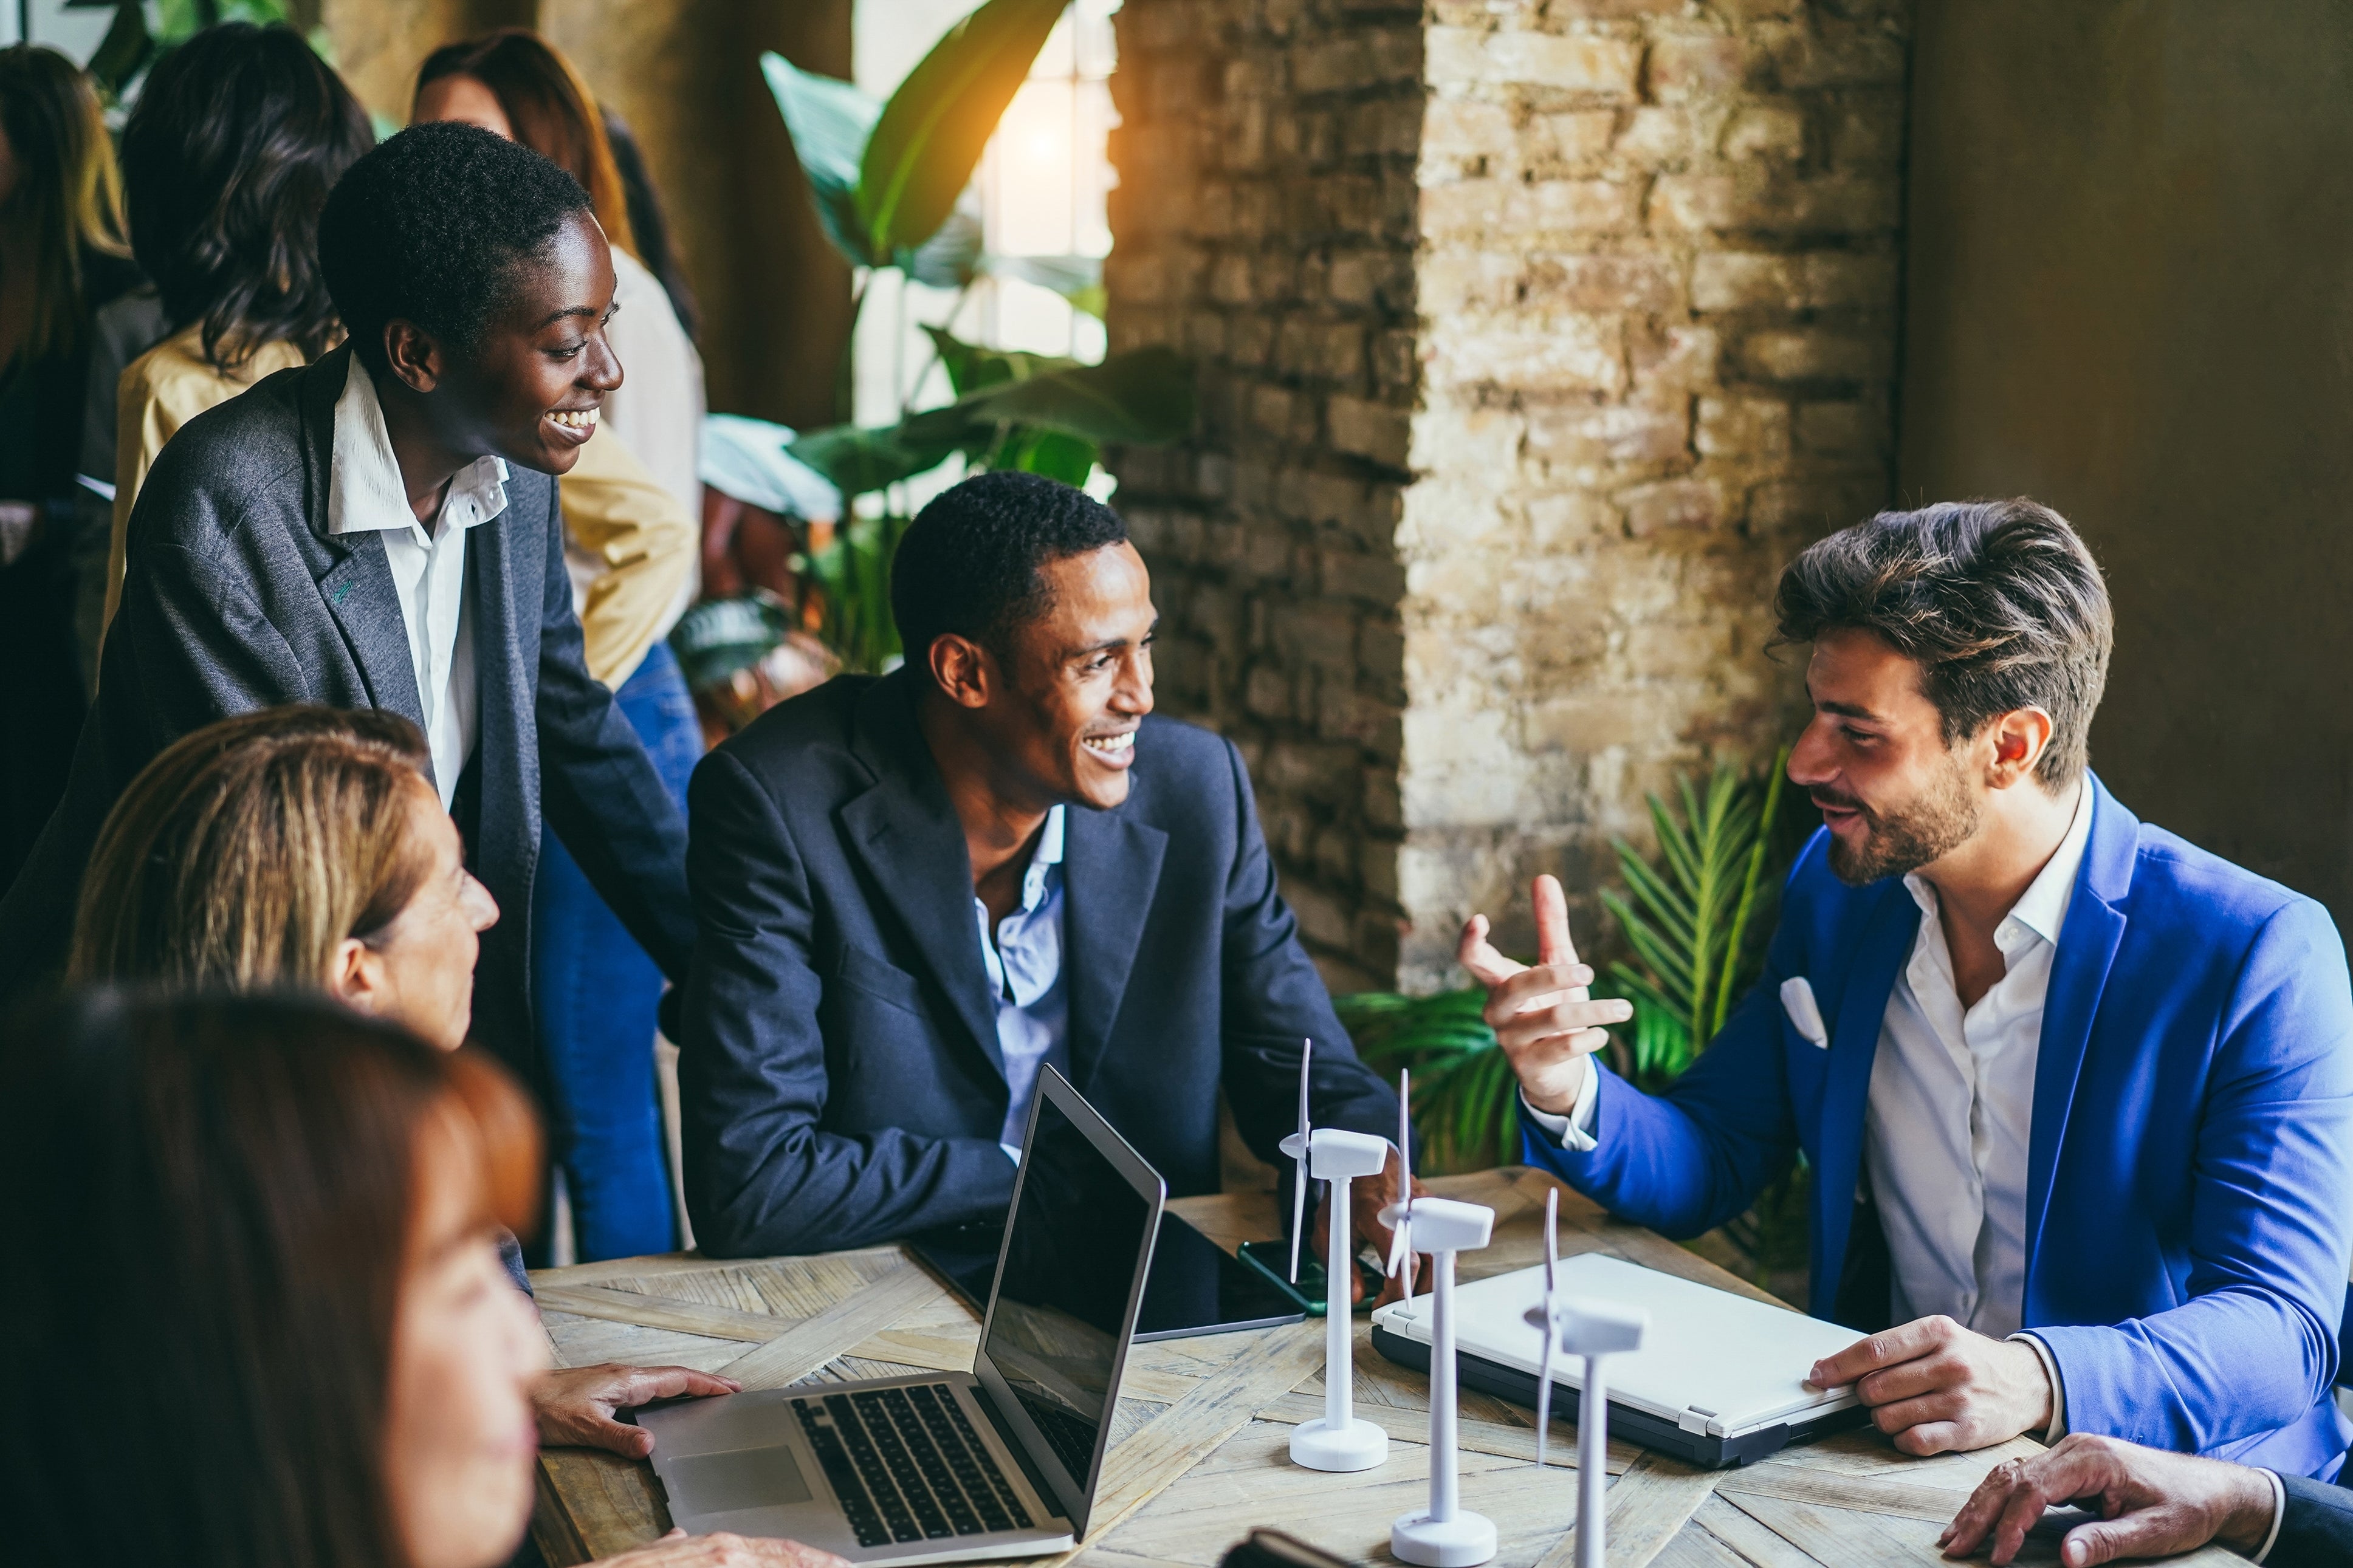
<point>1464,1106</point>
<point>890,183</point>
<point>132,47</point>
<point>1690,918</point>
<point>855,572</point>
<point>830,121</point>
<point>932,131</point>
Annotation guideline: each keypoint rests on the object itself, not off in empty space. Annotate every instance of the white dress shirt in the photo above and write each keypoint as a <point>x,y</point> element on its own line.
<point>1950,1111</point>
<point>366,494</point>
<point>1952,1105</point>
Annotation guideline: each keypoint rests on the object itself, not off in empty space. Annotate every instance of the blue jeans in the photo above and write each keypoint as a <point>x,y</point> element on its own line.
<point>597,992</point>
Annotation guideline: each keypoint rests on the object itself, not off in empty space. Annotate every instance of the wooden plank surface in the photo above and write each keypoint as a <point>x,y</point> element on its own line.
<point>1199,1453</point>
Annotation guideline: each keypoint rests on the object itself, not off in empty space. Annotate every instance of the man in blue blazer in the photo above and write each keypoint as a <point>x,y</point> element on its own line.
<point>2077,1095</point>
<point>917,892</point>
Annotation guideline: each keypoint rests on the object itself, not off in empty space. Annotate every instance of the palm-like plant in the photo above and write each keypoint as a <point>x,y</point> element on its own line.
<point>1688,919</point>
<point>890,180</point>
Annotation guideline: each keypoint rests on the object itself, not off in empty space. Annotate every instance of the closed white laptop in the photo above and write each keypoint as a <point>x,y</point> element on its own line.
<point>1720,1379</point>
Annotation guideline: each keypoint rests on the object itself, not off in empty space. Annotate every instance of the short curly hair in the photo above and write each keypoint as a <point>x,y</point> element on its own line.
<point>1998,601</point>
<point>969,563</point>
<point>432,227</point>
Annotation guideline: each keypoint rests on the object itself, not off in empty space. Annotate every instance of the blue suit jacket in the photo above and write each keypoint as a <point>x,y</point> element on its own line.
<point>2190,1196</point>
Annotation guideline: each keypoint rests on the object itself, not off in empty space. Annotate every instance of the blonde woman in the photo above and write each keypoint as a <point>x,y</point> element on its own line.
<point>303,848</point>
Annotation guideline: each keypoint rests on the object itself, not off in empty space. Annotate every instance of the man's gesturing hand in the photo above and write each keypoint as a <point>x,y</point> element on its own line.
<point>2151,1504</point>
<point>1938,1388</point>
<point>1542,1017</point>
<point>575,1407</point>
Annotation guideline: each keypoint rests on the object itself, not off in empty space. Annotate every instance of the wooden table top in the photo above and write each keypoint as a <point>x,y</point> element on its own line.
<point>1199,1453</point>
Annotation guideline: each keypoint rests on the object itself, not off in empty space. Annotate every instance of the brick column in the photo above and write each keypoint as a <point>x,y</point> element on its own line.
<point>1535,339</point>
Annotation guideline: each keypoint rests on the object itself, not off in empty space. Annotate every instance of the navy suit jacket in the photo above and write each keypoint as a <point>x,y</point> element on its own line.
<point>236,596</point>
<point>2190,1195</point>
<point>2317,1529</point>
<point>840,1077</point>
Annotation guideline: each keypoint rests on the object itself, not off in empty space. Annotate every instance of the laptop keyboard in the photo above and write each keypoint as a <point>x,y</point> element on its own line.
<point>906,1465</point>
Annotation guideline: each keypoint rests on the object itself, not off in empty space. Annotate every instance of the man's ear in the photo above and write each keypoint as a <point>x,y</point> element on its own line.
<point>2019,738</point>
<point>414,353</point>
<point>964,672</point>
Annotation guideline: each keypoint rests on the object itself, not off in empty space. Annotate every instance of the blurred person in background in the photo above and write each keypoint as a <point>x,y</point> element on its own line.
<point>302,848</point>
<point>597,989</point>
<point>61,257</point>
<point>275,1333</point>
<point>236,138</point>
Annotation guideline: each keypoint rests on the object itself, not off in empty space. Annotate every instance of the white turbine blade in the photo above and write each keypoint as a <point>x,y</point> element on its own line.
<point>1544,1388</point>
<point>1398,1232</point>
<point>1552,1244</point>
<point>1299,1179</point>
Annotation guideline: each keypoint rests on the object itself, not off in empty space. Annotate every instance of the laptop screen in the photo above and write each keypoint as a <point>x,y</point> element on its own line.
<point>1058,1323</point>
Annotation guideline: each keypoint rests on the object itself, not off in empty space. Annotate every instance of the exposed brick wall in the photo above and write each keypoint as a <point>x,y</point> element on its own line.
<point>1535,338</point>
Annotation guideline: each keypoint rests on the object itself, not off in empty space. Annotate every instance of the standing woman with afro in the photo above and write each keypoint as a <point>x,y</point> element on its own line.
<point>597,989</point>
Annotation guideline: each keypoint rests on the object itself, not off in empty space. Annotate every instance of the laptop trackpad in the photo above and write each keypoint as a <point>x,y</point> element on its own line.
<point>747,1477</point>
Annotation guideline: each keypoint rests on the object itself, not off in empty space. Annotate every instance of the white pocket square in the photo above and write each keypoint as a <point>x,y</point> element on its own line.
<point>1797,1001</point>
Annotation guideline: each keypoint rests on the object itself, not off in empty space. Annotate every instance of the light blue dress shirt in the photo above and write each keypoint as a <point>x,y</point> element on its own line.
<point>1025,975</point>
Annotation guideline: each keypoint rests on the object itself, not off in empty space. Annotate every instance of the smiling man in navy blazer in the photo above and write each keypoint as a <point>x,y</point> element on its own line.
<point>2077,1095</point>
<point>916,891</point>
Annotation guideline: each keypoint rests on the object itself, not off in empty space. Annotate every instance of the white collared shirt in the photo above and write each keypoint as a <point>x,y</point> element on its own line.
<point>1952,1106</point>
<point>366,494</point>
<point>1951,1110</point>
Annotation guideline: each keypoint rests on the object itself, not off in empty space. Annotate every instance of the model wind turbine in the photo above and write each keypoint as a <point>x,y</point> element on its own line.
<point>1338,1441</point>
<point>1592,1329</point>
<point>1443,1535</point>
<point>1400,1246</point>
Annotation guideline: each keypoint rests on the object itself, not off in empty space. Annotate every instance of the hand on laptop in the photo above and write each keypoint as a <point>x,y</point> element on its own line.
<point>2154,1503</point>
<point>575,1405</point>
<point>1938,1388</point>
<point>1543,1017</point>
<point>1367,1198</point>
<point>680,1550</point>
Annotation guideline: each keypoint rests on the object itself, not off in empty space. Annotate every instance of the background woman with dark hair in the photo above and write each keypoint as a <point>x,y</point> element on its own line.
<point>62,257</point>
<point>596,989</point>
<point>238,136</point>
<point>249,1278</point>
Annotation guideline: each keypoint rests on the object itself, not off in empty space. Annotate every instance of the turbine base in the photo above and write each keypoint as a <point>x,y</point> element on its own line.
<point>1459,1542</point>
<point>1358,1446</point>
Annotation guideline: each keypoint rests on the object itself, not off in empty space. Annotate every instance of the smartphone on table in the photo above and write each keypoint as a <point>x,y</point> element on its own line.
<point>1272,1258</point>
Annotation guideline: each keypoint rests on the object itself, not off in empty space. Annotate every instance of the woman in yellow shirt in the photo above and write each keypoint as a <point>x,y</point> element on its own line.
<point>236,138</point>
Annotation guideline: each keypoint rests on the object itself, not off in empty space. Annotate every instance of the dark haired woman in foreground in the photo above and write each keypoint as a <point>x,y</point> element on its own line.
<point>249,1281</point>
<point>238,136</point>
<point>61,257</point>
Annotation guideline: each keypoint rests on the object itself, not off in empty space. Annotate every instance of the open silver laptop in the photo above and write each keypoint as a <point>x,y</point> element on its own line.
<point>1001,1462</point>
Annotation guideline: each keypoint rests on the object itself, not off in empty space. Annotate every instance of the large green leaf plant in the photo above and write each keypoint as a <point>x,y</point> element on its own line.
<point>1693,915</point>
<point>890,181</point>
